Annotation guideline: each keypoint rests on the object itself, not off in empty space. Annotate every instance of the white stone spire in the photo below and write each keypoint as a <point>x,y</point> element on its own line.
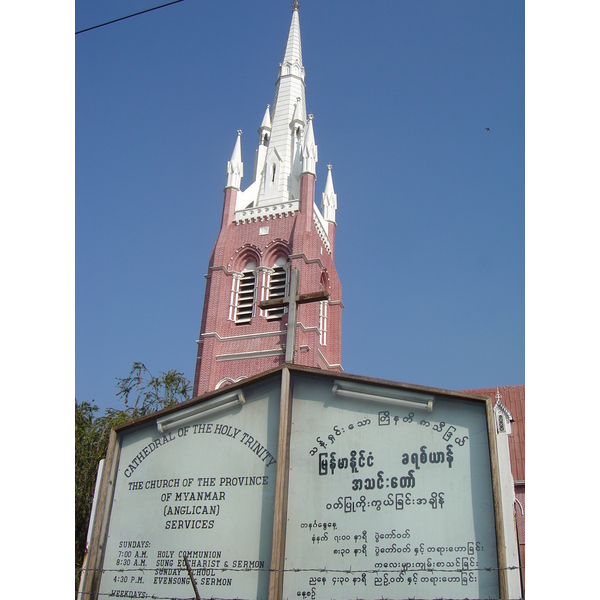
<point>286,146</point>
<point>329,201</point>
<point>293,47</point>
<point>235,166</point>
<point>280,180</point>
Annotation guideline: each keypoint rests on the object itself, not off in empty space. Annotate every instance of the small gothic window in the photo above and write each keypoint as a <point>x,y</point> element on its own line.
<point>273,175</point>
<point>501,426</point>
<point>323,322</point>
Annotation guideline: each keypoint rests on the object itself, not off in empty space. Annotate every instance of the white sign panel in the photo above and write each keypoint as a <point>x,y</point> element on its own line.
<point>203,488</point>
<point>387,499</point>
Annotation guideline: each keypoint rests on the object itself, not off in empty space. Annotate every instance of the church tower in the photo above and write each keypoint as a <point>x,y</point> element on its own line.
<point>268,230</point>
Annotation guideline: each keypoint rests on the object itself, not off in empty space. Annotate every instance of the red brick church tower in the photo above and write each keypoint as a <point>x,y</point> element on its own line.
<point>270,228</point>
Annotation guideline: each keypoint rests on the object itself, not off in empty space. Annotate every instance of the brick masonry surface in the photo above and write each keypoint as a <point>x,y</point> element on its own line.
<point>224,345</point>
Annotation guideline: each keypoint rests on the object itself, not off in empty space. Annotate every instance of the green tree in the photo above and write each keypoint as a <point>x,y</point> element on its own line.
<point>150,393</point>
<point>142,394</point>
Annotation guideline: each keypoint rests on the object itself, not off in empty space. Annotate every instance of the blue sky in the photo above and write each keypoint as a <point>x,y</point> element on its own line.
<point>431,234</point>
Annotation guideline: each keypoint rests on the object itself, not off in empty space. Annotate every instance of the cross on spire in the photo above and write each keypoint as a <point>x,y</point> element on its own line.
<point>292,302</point>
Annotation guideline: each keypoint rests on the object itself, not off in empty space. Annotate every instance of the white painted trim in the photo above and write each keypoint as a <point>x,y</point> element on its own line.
<point>321,226</point>
<point>248,336</point>
<point>244,355</point>
<point>307,261</point>
<point>507,500</point>
<point>327,362</point>
<point>252,336</point>
<point>229,380</point>
<point>269,211</point>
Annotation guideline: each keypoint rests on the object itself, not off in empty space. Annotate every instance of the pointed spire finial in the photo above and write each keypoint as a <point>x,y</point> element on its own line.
<point>309,149</point>
<point>265,126</point>
<point>235,166</point>
<point>295,5</point>
<point>329,200</point>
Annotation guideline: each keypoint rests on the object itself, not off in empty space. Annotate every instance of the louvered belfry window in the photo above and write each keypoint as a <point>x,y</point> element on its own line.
<point>245,305</point>
<point>243,295</point>
<point>277,288</point>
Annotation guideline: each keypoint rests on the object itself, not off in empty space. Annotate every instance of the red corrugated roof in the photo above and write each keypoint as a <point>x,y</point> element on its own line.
<point>513,397</point>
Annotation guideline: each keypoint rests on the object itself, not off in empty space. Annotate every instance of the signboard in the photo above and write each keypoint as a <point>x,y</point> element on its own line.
<point>390,495</point>
<point>199,485</point>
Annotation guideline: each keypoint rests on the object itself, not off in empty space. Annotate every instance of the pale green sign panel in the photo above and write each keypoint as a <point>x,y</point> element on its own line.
<point>390,495</point>
<point>202,487</point>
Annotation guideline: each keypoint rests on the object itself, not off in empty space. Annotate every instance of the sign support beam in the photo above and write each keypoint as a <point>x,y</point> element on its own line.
<point>281,488</point>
